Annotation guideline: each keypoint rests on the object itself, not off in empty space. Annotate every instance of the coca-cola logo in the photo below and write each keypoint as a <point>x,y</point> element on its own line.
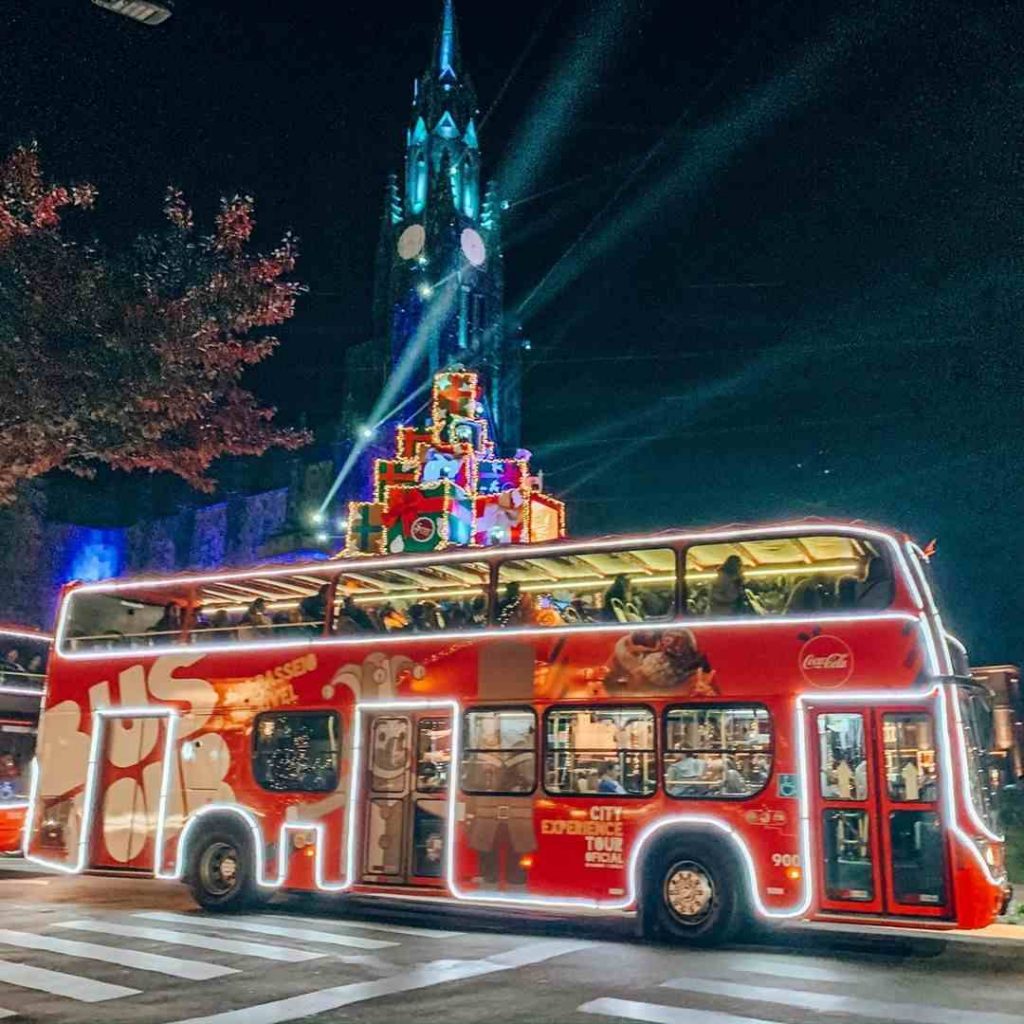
<point>422,529</point>
<point>826,661</point>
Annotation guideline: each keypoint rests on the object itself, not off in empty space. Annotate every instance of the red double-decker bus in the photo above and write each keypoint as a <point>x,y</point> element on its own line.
<point>695,726</point>
<point>23,654</point>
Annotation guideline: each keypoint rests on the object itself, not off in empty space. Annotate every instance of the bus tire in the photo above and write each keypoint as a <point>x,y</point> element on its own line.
<point>692,893</point>
<point>222,869</point>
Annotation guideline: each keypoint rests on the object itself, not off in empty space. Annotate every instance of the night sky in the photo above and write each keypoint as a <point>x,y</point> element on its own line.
<point>768,254</point>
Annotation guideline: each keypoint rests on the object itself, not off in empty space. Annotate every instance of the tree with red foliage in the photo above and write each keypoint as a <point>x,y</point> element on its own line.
<point>131,359</point>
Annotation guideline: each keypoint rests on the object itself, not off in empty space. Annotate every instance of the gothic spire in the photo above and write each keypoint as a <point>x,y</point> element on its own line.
<point>446,63</point>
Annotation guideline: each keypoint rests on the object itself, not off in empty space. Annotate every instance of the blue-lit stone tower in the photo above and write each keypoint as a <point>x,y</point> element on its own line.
<point>438,292</point>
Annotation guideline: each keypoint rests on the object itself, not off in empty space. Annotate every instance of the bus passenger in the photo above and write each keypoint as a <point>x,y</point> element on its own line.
<point>616,597</point>
<point>477,612</point>
<point>255,621</point>
<point>390,617</point>
<point>810,594</point>
<point>168,625</point>
<point>314,608</point>
<point>728,594</point>
<point>12,662</point>
<point>608,779</point>
<point>877,589</point>
<point>732,781</point>
<point>846,591</point>
<point>220,623</point>
<point>510,609</point>
<point>353,619</point>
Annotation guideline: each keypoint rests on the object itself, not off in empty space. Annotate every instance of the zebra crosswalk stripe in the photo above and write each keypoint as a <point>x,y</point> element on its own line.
<point>829,1002</point>
<point>350,922</point>
<point>655,1013</point>
<point>193,970</point>
<point>196,940</point>
<point>57,983</point>
<point>427,975</point>
<point>260,927</point>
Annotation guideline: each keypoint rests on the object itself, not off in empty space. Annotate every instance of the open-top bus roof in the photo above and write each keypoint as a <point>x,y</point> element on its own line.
<point>820,541</point>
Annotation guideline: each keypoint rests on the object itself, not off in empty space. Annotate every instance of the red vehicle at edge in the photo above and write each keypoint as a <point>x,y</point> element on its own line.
<point>698,726</point>
<point>23,654</point>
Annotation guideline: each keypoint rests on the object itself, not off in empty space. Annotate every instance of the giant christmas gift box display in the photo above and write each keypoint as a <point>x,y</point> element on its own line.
<point>446,486</point>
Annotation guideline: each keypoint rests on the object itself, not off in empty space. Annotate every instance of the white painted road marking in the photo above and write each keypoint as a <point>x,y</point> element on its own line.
<point>827,1002</point>
<point>194,970</point>
<point>655,1013</point>
<point>60,984</point>
<point>196,940</point>
<point>260,927</point>
<point>428,975</point>
<point>350,922</point>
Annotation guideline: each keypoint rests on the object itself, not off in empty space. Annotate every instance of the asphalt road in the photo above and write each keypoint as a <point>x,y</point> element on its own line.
<point>88,950</point>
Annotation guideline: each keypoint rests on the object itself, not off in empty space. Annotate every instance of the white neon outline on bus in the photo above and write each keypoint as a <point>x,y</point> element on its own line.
<point>339,566</point>
<point>99,717</point>
<point>352,832</point>
<point>917,559</point>
<point>390,639</point>
<point>21,691</point>
<point>21,634</point>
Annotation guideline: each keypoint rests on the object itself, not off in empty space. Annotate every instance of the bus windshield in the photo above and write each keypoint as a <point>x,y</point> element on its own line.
<point>976,715</point>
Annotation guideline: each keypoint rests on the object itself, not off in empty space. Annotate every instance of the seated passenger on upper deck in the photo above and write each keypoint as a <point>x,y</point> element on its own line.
<point>810,594</point>
<point>168,626</point>
<point>511,610</point>
<point>352,618</point>
<point>616,597</point>
<point>877,590</point>
<point>728,592</point>
<point>255,622</point>
<point>314,608</point>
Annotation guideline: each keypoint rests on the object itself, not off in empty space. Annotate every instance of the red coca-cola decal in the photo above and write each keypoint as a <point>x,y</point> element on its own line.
<point>422,529</point>
<point>826,661</point>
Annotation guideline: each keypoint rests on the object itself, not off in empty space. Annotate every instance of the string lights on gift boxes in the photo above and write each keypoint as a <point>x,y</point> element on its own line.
<point>446,486</point>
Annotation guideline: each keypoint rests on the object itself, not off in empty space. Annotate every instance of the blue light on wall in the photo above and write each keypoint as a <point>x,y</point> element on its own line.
<point>92,554</point>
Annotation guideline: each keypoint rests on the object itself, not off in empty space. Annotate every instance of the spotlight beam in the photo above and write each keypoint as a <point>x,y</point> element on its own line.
<point>415,351</point>
<point>709,150</point>
<point>584,61</point>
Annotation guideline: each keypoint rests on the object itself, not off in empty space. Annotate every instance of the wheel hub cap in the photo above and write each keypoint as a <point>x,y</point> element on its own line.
<point>218,869</point>
<point>689,891</point>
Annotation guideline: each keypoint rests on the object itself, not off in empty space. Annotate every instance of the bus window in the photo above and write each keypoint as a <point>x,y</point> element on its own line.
<point>296,751</point>
<point>433,754</point>
<point>844,768</point>
<point>787,576</point>
<point>416,598</point>
<point>600,586</point>
<point>717,751</point>
<point>600,752</point>
<point>499,751</point>
<point>17,745</point>
<point>104,621</point>
<point>909,756</point>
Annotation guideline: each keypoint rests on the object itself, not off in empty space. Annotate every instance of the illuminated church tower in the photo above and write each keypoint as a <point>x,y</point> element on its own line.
<point>438,293</point>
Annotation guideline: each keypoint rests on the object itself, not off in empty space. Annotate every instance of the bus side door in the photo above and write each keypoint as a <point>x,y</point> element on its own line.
<point>876,823</point>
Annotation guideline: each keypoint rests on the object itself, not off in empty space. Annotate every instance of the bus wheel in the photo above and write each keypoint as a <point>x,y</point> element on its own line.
<point>692,896</point>
<point>223,869</point>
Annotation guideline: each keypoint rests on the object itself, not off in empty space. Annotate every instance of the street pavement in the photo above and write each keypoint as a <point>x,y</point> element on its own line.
<point>87,950</point>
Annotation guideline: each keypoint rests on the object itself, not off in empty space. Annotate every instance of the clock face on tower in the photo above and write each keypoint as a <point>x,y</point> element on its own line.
<point>411,241</point>
<point>473,247</point>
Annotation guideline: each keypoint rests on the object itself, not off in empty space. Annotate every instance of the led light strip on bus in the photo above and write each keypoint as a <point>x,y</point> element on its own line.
<point>628,900</point>
<point>899,557</point>
<point>21,691</point>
